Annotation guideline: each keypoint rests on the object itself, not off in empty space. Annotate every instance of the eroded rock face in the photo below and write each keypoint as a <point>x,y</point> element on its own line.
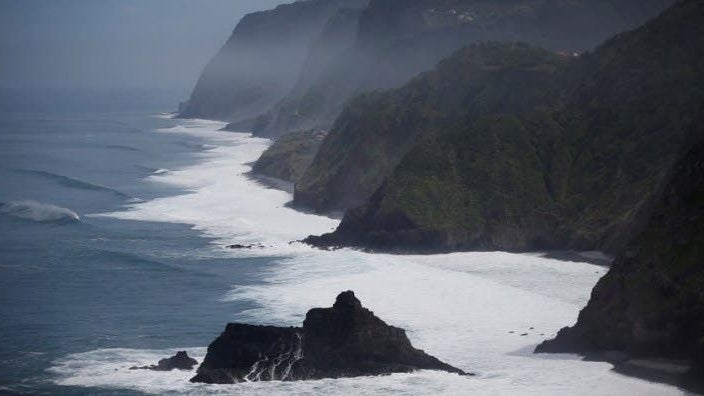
<point>346,340</point>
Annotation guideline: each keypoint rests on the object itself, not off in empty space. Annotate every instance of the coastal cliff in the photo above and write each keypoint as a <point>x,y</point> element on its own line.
<point>650,303</point>
<point>261,61</point>
<point>578,170</point>
<point>312,101</point>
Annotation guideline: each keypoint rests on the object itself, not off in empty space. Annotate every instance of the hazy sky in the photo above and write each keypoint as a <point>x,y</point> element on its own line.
<point>114,43</point>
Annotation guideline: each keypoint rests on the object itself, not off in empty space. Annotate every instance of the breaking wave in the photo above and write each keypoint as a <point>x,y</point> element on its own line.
<point>154,171</point>
<point>74,183</point>
<point>37,211</point>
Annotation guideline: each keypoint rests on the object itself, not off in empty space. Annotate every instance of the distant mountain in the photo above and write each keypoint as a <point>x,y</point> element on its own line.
<point>261,61</point>
<point>394,40</point>
<point>506,147</point>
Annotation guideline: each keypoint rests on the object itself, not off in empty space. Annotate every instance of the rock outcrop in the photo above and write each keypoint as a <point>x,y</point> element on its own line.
<point>180,361</point>
<point>346,340</point>
<point>571,158</point>
<point>651,302</point>
<point>289,156</point>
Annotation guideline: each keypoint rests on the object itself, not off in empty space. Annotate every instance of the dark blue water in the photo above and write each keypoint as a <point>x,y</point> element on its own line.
<point>70,286</point>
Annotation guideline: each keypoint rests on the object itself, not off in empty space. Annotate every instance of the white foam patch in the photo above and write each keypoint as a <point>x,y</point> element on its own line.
<point>110,368</point>
<point>223,203</point>
<point>482,312</point>
<point>461,308</point>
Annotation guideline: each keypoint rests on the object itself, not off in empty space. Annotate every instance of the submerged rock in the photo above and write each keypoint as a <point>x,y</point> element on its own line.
<point>251,246</point>
<point>346,340</point>
<point>180,361</point>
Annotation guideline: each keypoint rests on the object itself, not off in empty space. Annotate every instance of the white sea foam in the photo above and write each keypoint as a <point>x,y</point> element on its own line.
<point>482,312</point>
<point>223,202</point>
<point>37,211</point>
<point>110,368</point>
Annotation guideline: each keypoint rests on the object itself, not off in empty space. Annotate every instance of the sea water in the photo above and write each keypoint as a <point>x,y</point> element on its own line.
<point>115,222</point>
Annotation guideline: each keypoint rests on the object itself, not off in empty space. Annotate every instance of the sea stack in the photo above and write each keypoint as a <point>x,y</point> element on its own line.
<point>346,340</point>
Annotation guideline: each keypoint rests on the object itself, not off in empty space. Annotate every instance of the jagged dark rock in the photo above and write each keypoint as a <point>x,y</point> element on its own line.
<point>180,361</point>
<point>346,340</point>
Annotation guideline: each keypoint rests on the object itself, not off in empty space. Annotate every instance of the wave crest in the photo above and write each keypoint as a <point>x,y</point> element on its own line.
<point>73,183</point>
<point>37,211</point>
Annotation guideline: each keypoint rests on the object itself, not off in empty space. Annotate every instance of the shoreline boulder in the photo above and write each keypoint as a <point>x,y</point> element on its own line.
<point>180,361</point>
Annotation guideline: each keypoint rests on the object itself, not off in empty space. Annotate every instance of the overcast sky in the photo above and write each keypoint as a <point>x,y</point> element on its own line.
<point>114,43</point>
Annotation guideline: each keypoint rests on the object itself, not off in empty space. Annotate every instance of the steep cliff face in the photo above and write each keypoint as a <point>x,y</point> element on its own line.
<point>581,174</point>
<point>651,302</point>
<point>399,39</point>
<point>261,61</point>
<point>309,104</point>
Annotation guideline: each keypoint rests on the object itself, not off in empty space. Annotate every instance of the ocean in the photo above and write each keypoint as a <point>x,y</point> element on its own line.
<point>114,224</point>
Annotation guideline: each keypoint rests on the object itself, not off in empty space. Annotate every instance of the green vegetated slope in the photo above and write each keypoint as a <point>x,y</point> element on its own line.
<point>398,39</point>
<point>376,130</point>
<point>651,303</point>
<point>582,174</point>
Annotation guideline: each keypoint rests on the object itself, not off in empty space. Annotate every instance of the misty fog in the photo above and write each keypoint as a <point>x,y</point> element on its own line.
<point>160,44</point>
